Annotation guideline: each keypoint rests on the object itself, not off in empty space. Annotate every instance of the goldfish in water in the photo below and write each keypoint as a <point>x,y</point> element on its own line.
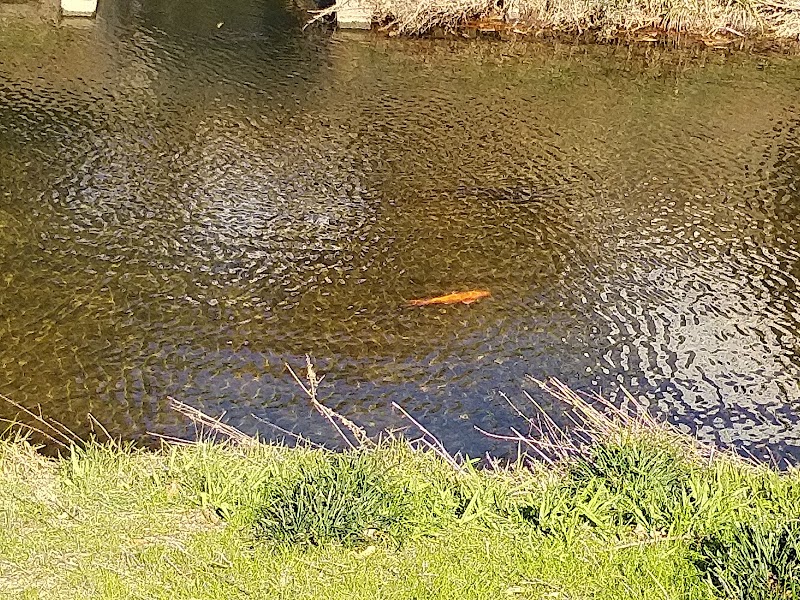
<point>454,298</point>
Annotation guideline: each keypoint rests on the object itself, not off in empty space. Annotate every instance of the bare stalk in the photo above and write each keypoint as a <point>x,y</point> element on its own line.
<point>335,419</point>
<point>297,437</point>
<point>58,433</point>
<point>206,422</point>
<point>99,425</point>
<point>431,441</point>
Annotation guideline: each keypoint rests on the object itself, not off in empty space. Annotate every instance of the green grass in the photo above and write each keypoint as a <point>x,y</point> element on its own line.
<point>759,561</point>
<point>632,518</point>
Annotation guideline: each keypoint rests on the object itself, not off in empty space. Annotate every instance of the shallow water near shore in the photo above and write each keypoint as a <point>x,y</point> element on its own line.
<point>193,195</point>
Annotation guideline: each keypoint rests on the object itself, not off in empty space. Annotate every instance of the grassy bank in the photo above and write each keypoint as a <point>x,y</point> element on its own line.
<point>637,514</point>
<point>710,20</point>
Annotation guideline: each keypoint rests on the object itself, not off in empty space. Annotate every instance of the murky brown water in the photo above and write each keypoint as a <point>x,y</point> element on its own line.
<point>184,208</point>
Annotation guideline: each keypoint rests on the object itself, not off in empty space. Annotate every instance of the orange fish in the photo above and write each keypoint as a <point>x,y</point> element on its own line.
<point>454,298</point>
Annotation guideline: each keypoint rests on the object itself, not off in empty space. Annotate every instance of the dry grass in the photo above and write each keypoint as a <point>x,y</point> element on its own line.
<point>592,420</point>
<point>355,437</point>
<point>419,16</point>
<point>783,18</point>
<point>609,17</point>
<point>703,18</point>
<point>423,15</point>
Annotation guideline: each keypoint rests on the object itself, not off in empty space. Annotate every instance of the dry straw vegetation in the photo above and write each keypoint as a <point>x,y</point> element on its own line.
<point>606,18</point>
<point>620,506</point>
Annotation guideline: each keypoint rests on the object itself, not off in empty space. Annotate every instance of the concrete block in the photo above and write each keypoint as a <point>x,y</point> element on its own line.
<point>352,14</point>
<point>78,8</point>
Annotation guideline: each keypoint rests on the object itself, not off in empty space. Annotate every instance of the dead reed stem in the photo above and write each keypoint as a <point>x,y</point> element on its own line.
<point>299,438</point>
<point>206,423</point>
<point>335,419</point>
<point>431,441</point>
<point>53,431</point>
<point>592,419</point>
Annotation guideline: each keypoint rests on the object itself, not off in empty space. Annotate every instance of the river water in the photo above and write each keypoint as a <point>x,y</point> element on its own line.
<point>193,194</point>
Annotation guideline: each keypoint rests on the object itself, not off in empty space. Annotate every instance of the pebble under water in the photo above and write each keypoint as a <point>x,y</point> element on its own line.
<point>193,194</point>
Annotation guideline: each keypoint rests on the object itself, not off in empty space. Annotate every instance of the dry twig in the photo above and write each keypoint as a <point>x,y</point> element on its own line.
<point>53,431</point>
<point>433,443</point>
<point>334,418</point>
<point>206,423</point>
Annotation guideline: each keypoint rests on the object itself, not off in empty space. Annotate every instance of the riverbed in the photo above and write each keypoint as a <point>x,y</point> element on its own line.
<point>193,196</point>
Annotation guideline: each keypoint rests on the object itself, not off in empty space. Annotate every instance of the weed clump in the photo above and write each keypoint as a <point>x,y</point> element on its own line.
<point>645,477</point>
<point>345,498</point>
<point>754,561</point>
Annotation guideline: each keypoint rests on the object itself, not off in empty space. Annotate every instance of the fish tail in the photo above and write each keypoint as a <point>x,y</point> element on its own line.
<point>424,302</point>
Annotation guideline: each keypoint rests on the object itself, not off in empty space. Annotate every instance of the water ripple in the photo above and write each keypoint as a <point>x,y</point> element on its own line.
<point>188,207</point>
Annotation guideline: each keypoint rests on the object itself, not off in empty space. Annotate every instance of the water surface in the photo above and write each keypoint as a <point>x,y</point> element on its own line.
<point>184,208</point>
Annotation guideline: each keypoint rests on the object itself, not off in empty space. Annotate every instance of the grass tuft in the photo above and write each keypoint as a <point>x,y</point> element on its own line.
<point>754,561</point>
<point>345,498</point>
<point>645,477</point>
